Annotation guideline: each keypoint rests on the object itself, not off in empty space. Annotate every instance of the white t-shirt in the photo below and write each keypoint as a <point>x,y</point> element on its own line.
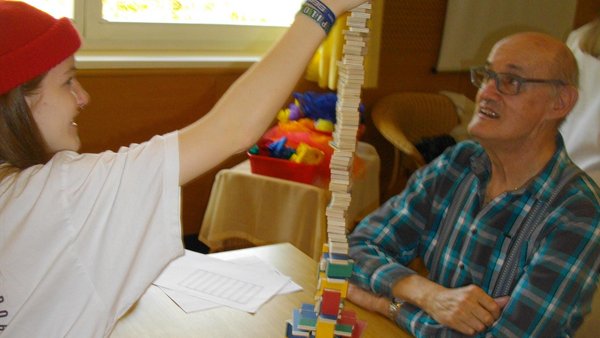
<point>82,237</point>
<point>581,130</point>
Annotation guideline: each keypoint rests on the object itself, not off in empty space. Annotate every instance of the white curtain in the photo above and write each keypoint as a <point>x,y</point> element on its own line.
<point>473,26</point>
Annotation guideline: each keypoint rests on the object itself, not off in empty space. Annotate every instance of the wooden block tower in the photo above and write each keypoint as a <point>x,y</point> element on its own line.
<point>327,318</point>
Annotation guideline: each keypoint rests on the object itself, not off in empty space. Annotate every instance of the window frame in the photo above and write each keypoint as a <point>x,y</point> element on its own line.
<point>151,45</point>
<point>205,46</point>
<point>210,38</point>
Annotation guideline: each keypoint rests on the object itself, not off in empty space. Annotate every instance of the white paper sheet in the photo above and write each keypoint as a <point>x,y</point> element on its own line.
<point>199,282</point>
<point>189,303</point>
<point>264,267</point>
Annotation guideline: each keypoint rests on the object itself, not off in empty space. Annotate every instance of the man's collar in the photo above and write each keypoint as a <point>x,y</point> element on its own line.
<point>543,184</point>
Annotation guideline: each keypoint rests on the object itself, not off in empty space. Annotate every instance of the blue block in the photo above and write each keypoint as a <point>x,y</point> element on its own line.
<point>307,318</point>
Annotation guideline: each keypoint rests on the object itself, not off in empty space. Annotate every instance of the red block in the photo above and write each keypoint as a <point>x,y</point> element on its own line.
<point>330,303</point>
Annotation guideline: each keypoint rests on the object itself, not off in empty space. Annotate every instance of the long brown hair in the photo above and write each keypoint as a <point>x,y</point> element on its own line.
<point>21,144</point>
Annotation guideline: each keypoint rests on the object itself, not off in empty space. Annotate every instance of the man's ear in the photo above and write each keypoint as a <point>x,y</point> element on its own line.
<point>565,100</point>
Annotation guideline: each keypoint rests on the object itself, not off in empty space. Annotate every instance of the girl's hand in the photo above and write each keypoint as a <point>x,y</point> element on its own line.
<point>341,6</point>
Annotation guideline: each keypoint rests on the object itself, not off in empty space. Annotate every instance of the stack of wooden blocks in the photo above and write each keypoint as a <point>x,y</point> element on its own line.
<point>327,318</point>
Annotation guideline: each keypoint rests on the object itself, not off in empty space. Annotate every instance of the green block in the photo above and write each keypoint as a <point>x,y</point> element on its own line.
<point>341,271</point>
<point>344,330</point>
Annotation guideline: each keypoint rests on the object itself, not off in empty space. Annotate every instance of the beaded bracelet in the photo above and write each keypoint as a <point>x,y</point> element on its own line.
<point>319,12</point>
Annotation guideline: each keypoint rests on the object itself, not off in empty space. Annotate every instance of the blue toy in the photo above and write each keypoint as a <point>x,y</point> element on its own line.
<point>279,150</point>
<point>317,105</point>
<point>321,105</point>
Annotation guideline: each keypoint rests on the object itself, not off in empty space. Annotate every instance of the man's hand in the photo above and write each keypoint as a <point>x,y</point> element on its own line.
<point>468,309</point>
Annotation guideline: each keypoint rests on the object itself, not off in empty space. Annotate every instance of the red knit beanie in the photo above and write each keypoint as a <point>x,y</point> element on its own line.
<point>31,43</point>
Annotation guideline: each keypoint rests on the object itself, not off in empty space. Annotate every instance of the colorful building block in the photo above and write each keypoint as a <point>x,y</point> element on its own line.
<point>342,271</point>
<point>330,302</point>
<point>332,284</point>
<point>325,328</point>
<point>307,317</point>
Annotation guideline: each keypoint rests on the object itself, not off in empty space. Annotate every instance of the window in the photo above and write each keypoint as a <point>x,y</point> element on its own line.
<point>118,32</point>
<point>186,33</point>
<point>57,8</point>
<point>229,12</point>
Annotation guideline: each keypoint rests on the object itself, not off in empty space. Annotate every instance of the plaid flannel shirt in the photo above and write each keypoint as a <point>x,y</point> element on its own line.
<point>558,273</point>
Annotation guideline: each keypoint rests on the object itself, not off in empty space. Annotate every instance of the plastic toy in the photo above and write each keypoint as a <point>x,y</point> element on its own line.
<point>278,149</point>
<point>307,154</point>
<point>324,125</point>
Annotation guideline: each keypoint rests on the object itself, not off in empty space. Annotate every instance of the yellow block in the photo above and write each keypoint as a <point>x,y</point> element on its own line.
<point>325,329</point>
<point>340,285</point>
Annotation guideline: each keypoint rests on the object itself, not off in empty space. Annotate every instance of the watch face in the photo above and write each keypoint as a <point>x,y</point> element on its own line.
<point>394,309</point>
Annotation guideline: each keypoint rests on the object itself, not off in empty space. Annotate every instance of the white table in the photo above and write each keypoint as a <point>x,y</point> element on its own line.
<point>156,316</point>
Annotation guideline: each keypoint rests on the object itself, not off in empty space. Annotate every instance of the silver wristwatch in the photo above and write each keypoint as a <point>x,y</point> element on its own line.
<point>394,308</point>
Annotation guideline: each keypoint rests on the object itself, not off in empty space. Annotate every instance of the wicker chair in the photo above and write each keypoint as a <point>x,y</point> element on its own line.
<point>406,118</point>
<point>591,322</point>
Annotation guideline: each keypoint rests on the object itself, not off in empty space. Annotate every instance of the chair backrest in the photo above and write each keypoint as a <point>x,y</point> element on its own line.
<point>591,323</point>
<point>406,118</point>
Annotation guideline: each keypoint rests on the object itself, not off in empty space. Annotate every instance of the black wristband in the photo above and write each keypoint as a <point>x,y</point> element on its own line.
<point>321,14</point>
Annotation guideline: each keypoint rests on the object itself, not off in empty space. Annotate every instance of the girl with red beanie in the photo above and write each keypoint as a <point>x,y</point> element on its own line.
<point>83,235</point>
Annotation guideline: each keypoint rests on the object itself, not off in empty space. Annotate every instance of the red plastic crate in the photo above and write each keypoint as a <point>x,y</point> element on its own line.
<point>285,169</point>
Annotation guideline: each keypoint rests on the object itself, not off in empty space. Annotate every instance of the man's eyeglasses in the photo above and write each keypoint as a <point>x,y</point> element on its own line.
<point>506,83</point>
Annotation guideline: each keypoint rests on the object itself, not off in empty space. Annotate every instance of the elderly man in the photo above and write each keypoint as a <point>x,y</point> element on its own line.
<point>507,226</point>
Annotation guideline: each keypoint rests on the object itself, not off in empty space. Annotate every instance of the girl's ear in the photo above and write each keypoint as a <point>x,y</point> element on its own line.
<point>32,100</point>
<point>29,101</point>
